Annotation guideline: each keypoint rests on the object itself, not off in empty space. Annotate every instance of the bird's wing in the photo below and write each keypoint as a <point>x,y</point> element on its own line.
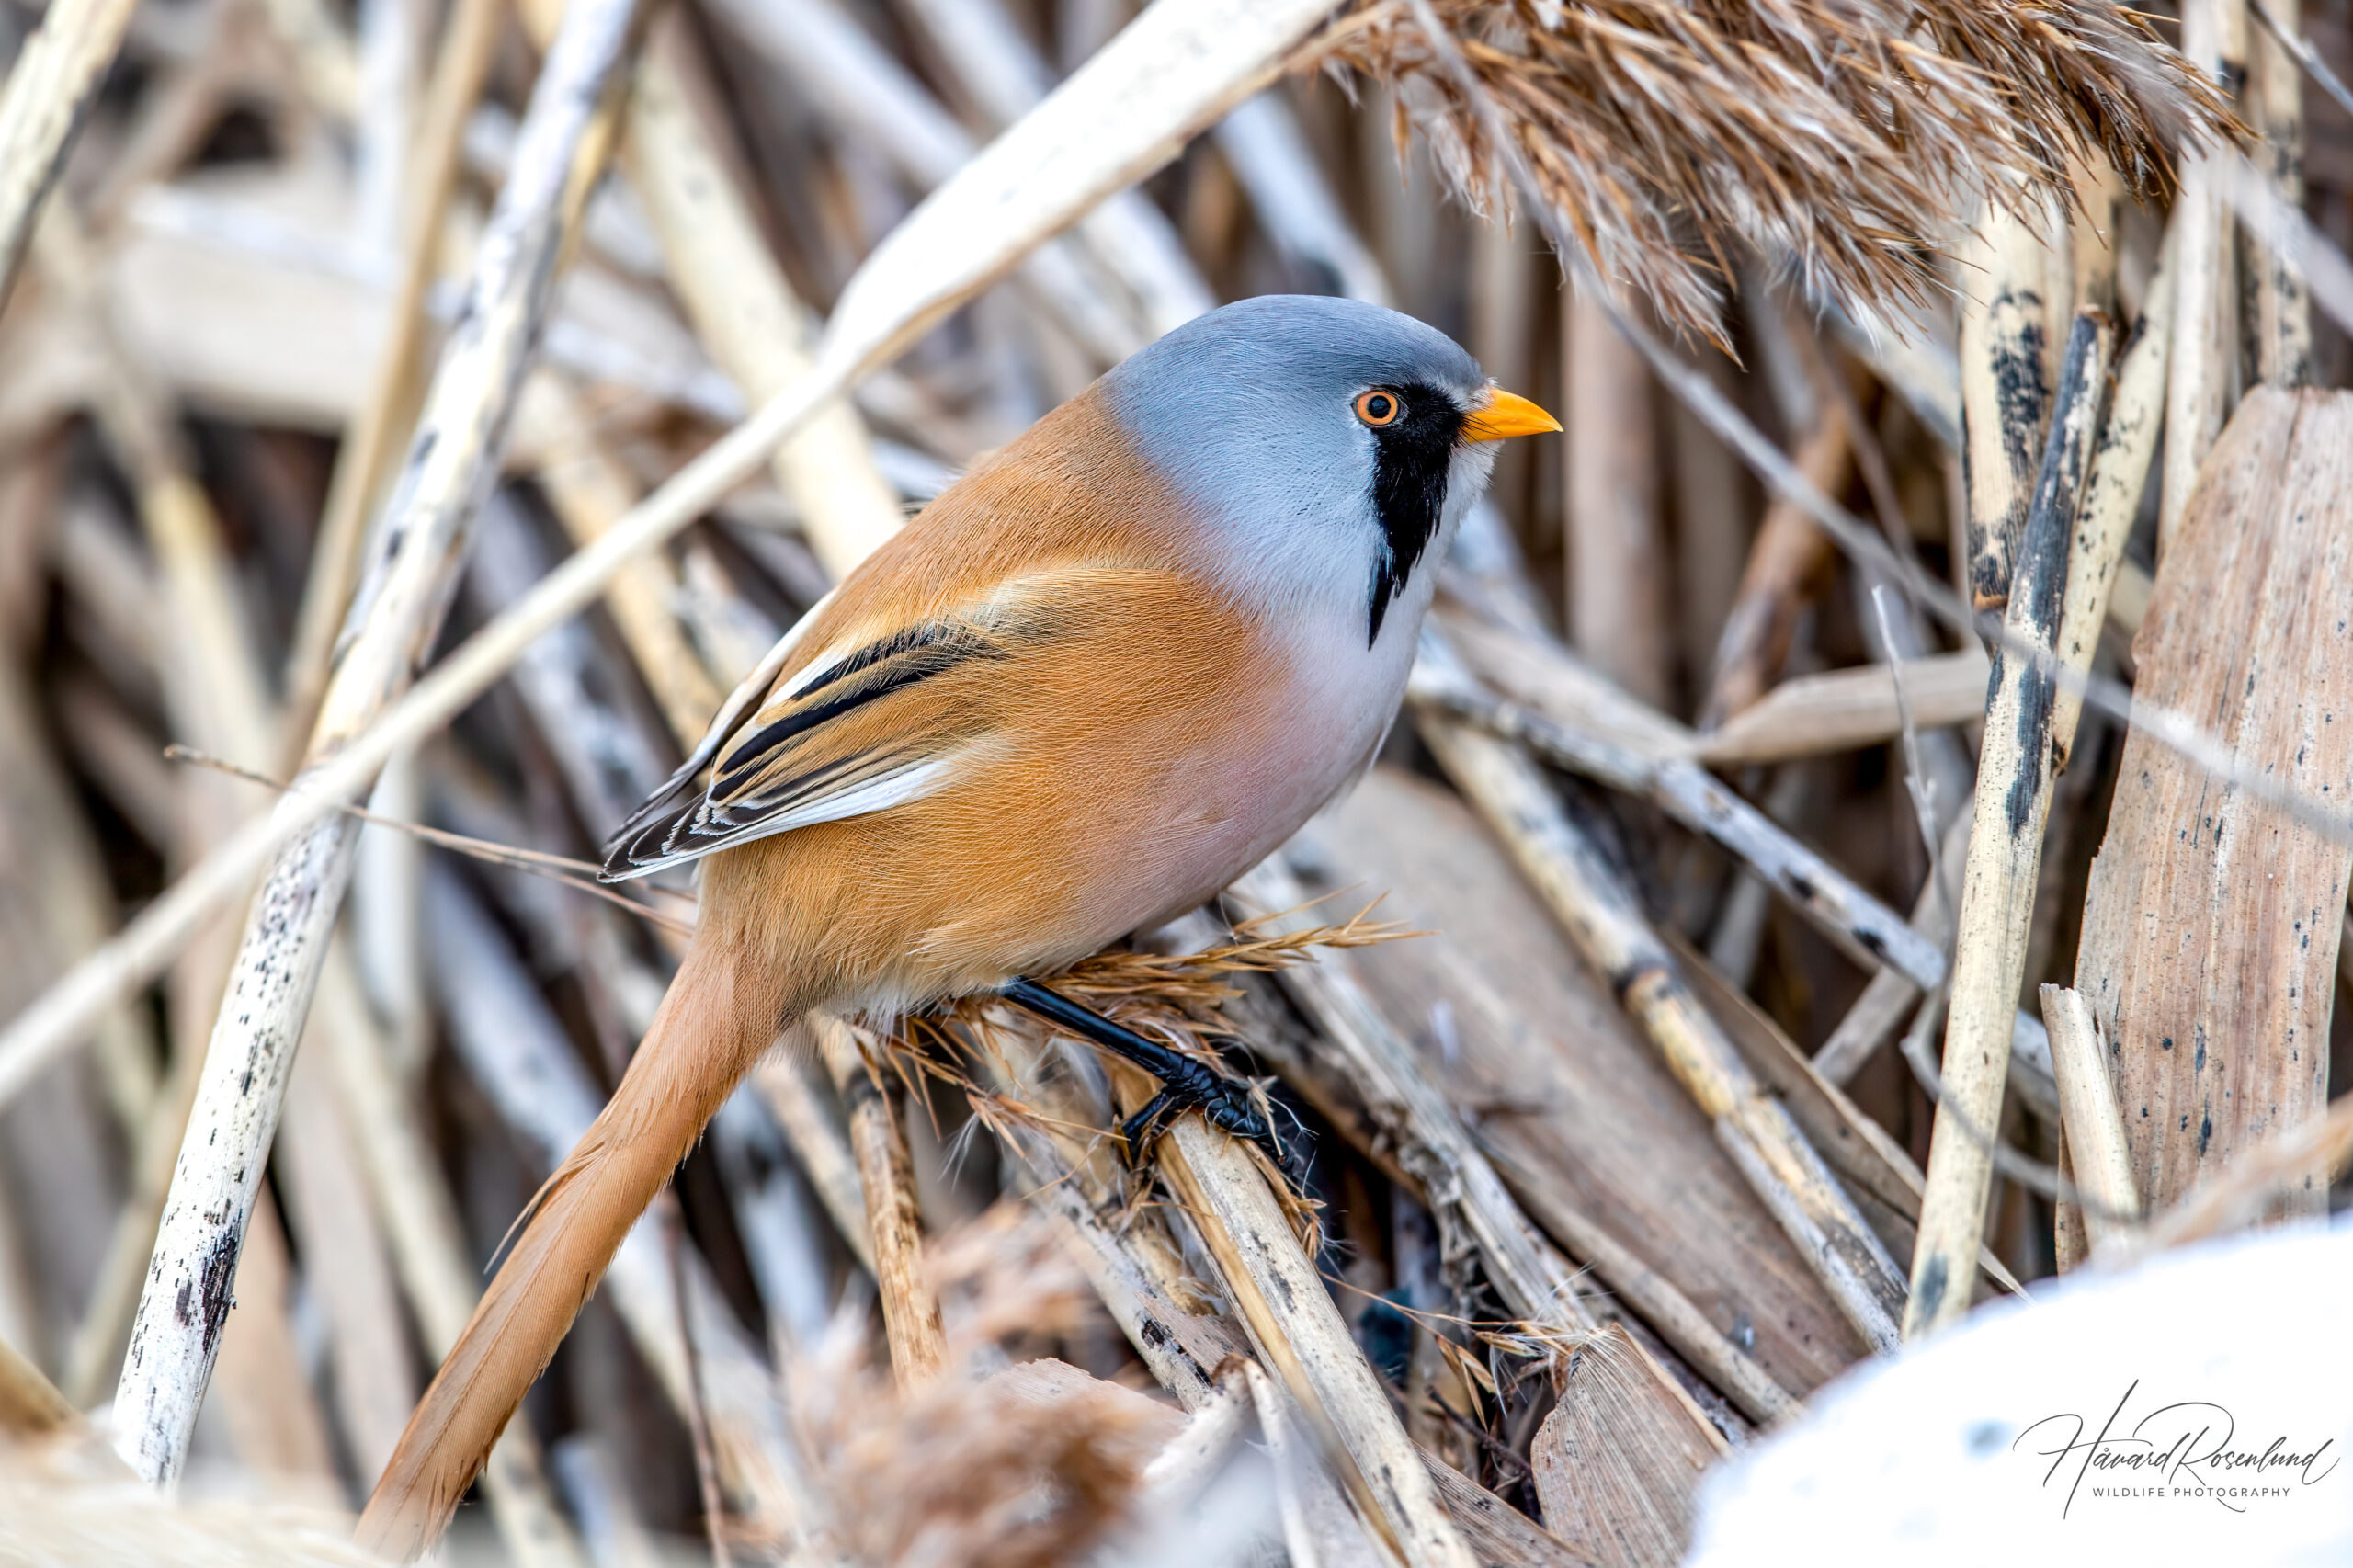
<point>880,717</point>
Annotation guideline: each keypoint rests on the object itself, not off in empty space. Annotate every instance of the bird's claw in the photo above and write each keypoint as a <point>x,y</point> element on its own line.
<point>1226,1103</point>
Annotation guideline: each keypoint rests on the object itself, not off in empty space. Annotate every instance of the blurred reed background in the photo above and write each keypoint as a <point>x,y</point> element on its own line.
<point>1655,849</point>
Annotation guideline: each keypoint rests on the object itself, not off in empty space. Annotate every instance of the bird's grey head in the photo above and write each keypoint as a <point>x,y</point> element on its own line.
<point>1333,444</point>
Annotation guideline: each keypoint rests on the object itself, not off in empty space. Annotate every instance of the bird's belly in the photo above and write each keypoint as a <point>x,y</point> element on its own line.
<point>1296,743</point>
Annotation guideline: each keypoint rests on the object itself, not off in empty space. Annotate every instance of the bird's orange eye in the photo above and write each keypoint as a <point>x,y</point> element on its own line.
<point>1378,407</point>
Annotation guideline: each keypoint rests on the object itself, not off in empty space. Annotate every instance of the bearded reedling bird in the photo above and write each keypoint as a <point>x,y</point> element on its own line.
<point>1097,679</point>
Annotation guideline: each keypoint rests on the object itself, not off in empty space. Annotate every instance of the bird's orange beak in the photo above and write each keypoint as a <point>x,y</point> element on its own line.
<point>1506,413</point>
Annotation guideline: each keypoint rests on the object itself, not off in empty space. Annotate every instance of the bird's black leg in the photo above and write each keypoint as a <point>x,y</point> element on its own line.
<point>1185,1083</point>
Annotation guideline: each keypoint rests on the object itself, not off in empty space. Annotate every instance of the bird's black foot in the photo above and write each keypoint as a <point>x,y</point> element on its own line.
<point>1225,1102</point>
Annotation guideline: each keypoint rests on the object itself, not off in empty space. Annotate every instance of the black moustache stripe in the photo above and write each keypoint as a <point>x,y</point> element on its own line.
<point>1411,462</point>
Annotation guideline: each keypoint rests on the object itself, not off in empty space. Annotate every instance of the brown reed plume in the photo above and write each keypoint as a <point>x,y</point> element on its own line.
<point>1838,141</point>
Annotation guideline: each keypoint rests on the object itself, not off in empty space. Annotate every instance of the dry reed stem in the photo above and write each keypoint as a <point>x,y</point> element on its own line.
<point>1291,1316</point>
<point>1862,927</point>
<point>1849,710</point>
<point>2120,469</point>
<point>2102,1164</point>
<point>2019,762</point>
<point>1172,71</point>
<point>1836,141</point>
<point>30,1403</point>
<point>2010,282</point>
<point>2278,316</point>
<point>1674,1316</point>
<point>2200,388</point>
<point>44,103</point>
<point>1323,1071</point>
<point>893,1226</point>
<point>2121,464</point>
<point>1428,1141</point>
<point>389,405</point>
<point>589,490</point>
<point>562,149</point>
<point>1857,1146</point>
<point>217,696</point>
<point>1422,1140</point>
<point>1601,917</point>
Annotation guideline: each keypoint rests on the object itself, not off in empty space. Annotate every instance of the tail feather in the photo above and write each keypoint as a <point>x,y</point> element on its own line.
<point>712,1025</point>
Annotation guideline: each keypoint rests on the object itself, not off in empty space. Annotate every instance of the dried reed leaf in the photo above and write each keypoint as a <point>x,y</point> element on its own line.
<point>1840,139</point>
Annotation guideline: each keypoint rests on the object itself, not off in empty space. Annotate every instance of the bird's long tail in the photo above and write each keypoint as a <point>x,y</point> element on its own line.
<point>712,1026</point>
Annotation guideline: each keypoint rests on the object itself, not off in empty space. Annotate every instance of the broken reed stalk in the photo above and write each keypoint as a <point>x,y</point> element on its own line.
<point>1127,1254</point>
<point>2122,462</point>
<point>1861,927</point>
<point>2005,388</point>
<point>887,1180</point>
<point>1754,1129</point>
<point>1424,1139</point>
<point>2019,760</point>
<point>46,99</point>
<point>388,405</point>
<point>1173,69</point>
<point>453,461</point>
<point>2103,1165</point>
<point>1282,1300</point>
